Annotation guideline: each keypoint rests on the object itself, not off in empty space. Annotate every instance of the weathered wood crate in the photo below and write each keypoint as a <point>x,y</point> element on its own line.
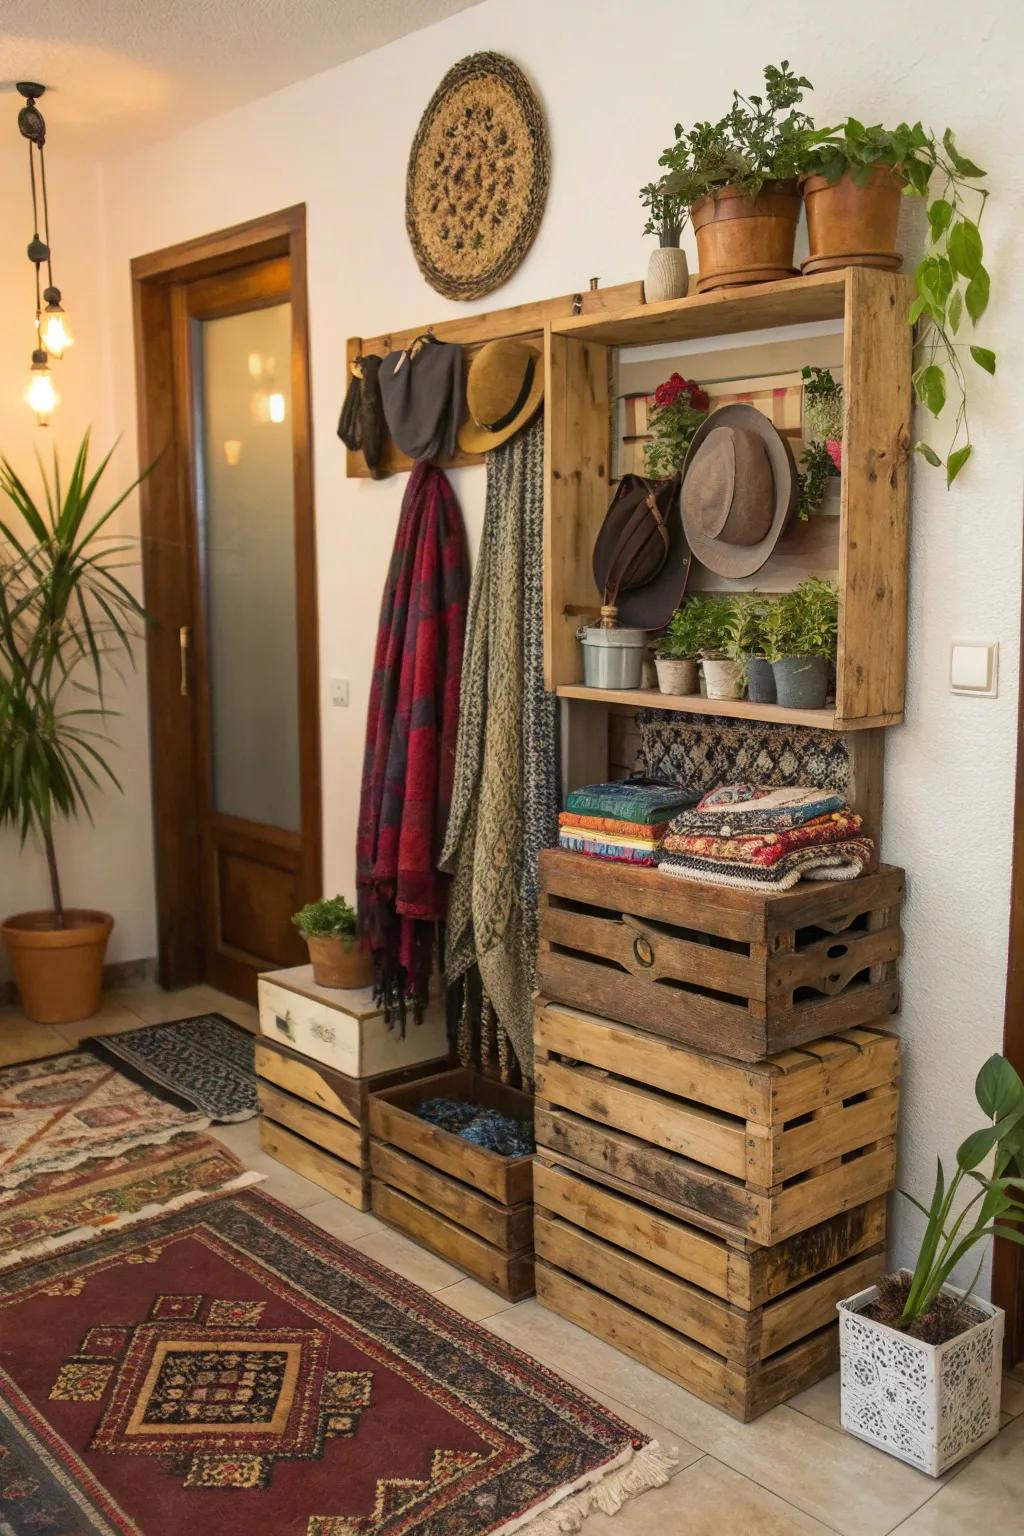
<point>743,973</point>
<point>755,1150</point>
<point>741,1326</point>
<point>468,1204</point>
<point>316,1120</point>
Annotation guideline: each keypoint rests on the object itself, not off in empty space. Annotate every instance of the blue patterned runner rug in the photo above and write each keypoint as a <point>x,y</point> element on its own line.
<point>205,1063</point>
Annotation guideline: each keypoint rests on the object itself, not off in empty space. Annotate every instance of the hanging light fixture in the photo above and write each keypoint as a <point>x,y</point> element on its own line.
<point>53,333</point>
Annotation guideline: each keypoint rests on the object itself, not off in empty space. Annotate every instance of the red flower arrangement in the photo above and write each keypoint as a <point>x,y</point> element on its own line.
<point>669,392</point>
<point>678,408</point>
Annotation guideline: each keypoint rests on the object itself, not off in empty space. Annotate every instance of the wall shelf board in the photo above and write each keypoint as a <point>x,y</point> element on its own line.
<point>735,709</point>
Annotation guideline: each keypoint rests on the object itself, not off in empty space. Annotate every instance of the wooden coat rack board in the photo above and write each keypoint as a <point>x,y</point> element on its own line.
<point>525,322</point>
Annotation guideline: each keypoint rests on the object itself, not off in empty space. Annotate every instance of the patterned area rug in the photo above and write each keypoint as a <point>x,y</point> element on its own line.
<point>55,1210</point>
<point>234,1369</point>
<point>205,1063</point>
<point>57,1113</point>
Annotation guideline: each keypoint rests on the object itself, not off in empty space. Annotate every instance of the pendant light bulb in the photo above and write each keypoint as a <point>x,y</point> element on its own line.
<point>40,394</point>
<point>54,330</point>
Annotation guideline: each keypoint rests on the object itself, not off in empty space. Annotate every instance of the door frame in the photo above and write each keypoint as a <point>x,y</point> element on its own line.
<point>168,552</point>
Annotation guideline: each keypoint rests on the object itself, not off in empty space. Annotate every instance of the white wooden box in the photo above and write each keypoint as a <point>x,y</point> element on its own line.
<point>345,1030</point>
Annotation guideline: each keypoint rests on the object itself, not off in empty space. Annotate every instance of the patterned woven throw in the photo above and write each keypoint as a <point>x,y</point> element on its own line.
<point>599,848</point>
<point>654,830</point>
<point>736,810</point>
<point>766,848</point>
<point>831,861</point>
<point>630,800</point>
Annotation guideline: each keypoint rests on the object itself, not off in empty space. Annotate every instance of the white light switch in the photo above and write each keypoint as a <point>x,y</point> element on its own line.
<point>974,667</point>
<point>339,692</point>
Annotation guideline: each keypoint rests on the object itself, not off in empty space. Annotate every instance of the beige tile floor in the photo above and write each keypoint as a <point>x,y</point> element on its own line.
<point>791,1473</point>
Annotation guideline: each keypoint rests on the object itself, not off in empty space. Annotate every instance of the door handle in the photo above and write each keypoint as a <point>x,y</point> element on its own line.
<point>184,642</point>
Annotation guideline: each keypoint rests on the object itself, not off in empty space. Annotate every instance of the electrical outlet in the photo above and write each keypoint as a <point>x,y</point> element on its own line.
<point>339,692</point>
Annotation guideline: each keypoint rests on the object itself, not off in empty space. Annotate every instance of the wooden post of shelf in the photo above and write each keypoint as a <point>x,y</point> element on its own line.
<point>877,407</point>
<point>576,448</point>
<point>866,751</point>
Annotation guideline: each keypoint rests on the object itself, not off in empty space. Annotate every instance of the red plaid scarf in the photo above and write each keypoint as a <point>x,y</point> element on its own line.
<point>410,742</point>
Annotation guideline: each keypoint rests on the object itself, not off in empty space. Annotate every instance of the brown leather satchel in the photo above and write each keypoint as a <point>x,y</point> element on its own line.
<point>641,558</point>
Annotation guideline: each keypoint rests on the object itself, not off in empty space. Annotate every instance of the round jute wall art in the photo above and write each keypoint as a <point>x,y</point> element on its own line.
<point>477,178</point>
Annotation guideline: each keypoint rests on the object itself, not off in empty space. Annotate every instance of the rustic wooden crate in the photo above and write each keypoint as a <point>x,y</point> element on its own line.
<point>316,1120</point>
<point>758,1150</point>
<point>715,1315</point>
<point>744,973</point>
<point>344,1029</point>
<point>466,1203</point>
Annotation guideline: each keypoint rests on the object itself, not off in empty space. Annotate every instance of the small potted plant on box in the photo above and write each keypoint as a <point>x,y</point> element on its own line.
<point>801,631</point>
<point>65,614</point>
<point>747,643</point>
<point>921,1360</point>
<point>331,931</point>
<point>668,276</point>
<point>854,178</point>
<point>738,178</point>
<point>677,651</point>
<point>680,405</point>
<point>722,668</point>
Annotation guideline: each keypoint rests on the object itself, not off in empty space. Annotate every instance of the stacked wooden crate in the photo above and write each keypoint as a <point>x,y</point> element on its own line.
<point>716,1132</point>
<point>320,1055</point>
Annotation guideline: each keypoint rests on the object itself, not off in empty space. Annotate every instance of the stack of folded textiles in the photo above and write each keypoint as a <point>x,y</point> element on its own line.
<point>760,839</point>
<point>621,821</point>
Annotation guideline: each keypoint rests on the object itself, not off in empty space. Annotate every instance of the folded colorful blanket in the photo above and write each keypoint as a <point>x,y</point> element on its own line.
<point>631,800</point>
<point>831,861</point>
<point>737,809</point>
<point>764,849</point>
<point>611,825</point>
<point>617,852</point>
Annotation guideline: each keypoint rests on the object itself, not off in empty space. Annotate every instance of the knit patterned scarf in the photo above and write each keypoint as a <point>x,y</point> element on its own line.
<point>410,743</point>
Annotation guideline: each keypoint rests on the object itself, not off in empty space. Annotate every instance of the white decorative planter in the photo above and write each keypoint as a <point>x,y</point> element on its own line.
<point>668,276</point>
<point>724,678</point>
<point>928,1404</point>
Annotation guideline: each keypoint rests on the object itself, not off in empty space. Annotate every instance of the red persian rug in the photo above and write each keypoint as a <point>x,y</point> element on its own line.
<point>232,1369</point>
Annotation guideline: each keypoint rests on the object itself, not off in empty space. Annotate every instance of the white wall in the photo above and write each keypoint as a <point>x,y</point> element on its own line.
<point>614,76</point>
<point>109,865</point>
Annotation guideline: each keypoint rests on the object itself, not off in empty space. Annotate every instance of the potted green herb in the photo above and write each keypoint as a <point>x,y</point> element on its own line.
<point>737,178</point>
<point>65,614</point>
<point>747,643</point>
<point>922,1360</point>
<point>331,931</point>
<point>668,276</point>
<point>856,175</point>
<point>680,405</point>
<point>723,670</point>
<point>677,651</point>
<point>800,634</point>
<point>822,458</point>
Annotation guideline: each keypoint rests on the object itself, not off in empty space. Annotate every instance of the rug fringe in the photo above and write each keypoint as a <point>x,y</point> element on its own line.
<point>602,1492</point>
<point>15,1178</point>
<point>50,1245</point>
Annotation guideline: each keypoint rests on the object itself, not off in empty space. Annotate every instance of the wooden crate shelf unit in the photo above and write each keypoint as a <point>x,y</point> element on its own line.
<point>464,1202</point>
<point>743,1327</point>
<point>743,973</point>
<point>759,1151</point>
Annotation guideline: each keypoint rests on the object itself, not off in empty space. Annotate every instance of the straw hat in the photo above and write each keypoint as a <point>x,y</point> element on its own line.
<point>504,387</point>
<point>739,489</point>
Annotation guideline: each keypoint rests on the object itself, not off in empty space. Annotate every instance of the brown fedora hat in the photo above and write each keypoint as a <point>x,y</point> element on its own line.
<point>504,387</point>
<point>641,562</point>
<point>739,489</point>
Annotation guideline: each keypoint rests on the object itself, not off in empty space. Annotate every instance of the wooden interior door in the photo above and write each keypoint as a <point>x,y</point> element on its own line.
<point>230,586</point>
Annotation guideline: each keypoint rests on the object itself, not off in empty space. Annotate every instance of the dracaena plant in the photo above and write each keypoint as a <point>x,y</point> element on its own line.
<point>996,1207</point>
<point>65,618</point>
<point>952,282</point>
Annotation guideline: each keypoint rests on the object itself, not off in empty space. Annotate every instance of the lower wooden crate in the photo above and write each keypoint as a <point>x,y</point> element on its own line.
<point>345,1180</point>
<point>510,1274</point>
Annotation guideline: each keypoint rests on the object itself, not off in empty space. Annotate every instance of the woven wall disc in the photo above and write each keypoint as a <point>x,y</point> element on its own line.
<point>477,178</point>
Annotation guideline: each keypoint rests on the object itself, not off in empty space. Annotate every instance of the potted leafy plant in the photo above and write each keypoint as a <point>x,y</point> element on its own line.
<point>330,928</point>
<point>747,643</point>
<point>64,615</point>
<point>668,276</point>
<point>738,179</point>
<point>677,651</point>
<point>921,1359</point>
<point>854,178</point>
<point>723,670</point>
<point>822,459</point>
<point>800,635</point>
<point>680,405</point>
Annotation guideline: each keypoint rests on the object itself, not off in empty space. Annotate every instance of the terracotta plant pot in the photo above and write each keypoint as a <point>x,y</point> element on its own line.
<point>676,675</point>
<point>339,962</point>
<point>743,239</point>
<point>58,971</point>
<point>851,226</point>
<point>668,276</point>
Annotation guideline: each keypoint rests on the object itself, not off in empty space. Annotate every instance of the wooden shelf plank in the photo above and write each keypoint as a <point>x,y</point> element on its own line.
<point>736,709</point>
<point>760,306</point>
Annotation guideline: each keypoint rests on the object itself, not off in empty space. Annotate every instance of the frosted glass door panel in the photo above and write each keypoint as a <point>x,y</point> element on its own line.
<point>246,505</point>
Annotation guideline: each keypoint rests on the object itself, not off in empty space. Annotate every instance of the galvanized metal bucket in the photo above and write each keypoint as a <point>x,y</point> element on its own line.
<point>612,658</point>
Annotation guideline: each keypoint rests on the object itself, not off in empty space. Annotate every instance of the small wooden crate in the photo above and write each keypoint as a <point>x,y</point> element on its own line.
<point>741,1326</point>
<point>344,1029</point>
<point>465,1203</point>
<point>316,1120</point>
<point>743,973</point>
<point>760,1151</point>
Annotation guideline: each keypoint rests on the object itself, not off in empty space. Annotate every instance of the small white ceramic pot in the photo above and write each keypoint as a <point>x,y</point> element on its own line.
<point>668,276</point>
<point>724,678</point>
<point>676,675</point>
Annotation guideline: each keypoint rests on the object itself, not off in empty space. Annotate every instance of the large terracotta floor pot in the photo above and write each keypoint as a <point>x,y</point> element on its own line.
<point>851,226</point>
<point>743,239</point>
<point>58,971</point>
